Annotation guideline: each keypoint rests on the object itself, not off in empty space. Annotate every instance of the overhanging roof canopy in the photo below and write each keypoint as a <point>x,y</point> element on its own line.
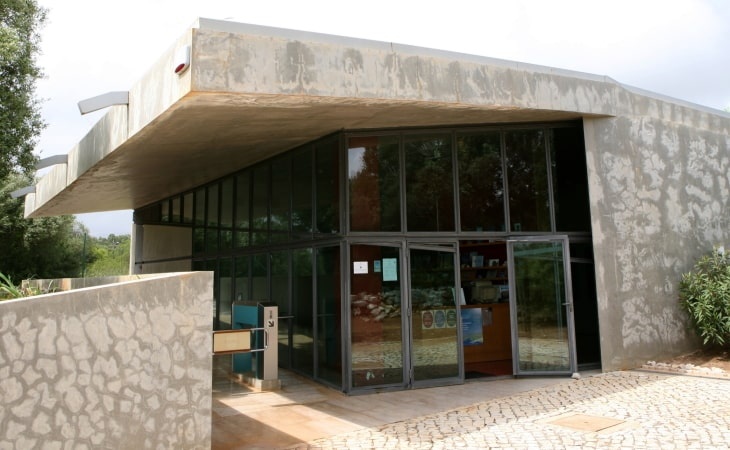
<point>251,92</point>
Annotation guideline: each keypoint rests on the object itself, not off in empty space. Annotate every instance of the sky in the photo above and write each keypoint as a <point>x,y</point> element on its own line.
<point>677,48</point>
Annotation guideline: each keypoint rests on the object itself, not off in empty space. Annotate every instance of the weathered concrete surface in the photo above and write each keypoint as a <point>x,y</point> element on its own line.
<point>157,249</point>
<point>247,84</point>
<point>120,366</point>
<point>660,197</point>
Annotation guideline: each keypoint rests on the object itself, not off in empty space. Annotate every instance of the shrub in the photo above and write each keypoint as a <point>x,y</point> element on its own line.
<point>8,290</point>
<point>705,294</point>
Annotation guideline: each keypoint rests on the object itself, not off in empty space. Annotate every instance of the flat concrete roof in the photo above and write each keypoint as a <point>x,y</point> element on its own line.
<point>251,92</point>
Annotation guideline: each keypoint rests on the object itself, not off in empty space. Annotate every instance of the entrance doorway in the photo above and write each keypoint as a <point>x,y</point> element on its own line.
<point>403,315</point>
<point>412,324</point>
<point>485,309</point>
<point>517,311</point>
<point>541,301</point>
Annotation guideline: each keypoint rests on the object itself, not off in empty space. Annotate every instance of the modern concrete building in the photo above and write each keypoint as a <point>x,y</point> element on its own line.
<point>419,216</point>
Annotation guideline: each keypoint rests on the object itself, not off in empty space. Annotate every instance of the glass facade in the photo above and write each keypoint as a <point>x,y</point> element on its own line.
<point>290,229</point>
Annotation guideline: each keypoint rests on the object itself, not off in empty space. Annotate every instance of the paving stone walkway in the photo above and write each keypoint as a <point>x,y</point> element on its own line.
<point>617,410</point>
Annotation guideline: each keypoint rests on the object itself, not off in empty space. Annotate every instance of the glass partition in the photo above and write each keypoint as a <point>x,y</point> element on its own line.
<point>280,199</point>
<point>374,177</point>
<point>429,183</point>
<point>302,311</point>
<point>527,176</point>
<point>301,193</point>
<point>327,185</point>
<point>481,181</point>
<point>570,179</point>
<point>260,205</point>
<point>329,316</point>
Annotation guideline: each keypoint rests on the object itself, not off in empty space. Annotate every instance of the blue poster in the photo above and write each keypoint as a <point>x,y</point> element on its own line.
<point>471,325</point>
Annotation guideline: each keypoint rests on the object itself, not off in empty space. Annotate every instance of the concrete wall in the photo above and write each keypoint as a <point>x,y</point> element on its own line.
<point>153,243</point>
<point>660,197</point>
<point>120,366</point>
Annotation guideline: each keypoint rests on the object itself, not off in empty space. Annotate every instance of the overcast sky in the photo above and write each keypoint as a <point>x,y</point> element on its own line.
<point>679,48</point>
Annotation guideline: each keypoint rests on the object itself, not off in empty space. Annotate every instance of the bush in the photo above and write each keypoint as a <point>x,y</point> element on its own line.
<point>705,294</point>
<point>8,290</point>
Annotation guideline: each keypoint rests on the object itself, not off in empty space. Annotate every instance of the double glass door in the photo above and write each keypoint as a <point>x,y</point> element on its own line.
<point>403,315</point>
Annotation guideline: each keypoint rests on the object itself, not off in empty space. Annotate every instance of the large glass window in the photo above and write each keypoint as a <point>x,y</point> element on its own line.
<point>175,210</point>
<point>527,176</point>
<point>329,316</point>
<point>570,179</point>
<point>302,311</point>
<point>188,208</point>
<point>279,289</point>
<point>226,214</point>
<point>327,185</point>
<point>225,266</point>
<point>429,183</point>
<point>301,193</point>
<point>280,199</point>
<point>260,278</point>
<point>260,205</point>
<point>243,213</point>
<point>242,279</point>
<point>481,183</point>
<point>374,176</point>
<point>199,230</point>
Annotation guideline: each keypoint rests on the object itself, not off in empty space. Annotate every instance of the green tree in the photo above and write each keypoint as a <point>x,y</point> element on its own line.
<point>108,256</point>
<point>47,247</point>
<point>20,119</point>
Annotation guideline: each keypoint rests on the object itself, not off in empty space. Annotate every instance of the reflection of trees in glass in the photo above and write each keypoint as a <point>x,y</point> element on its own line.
<point>280,199</point>
<point>301,191</point>
<point>328,186</point>
<point>540,284</point>
<point>481,186</point>
<point>527,177</point>
<point>429,184</point>
<point>375,187</point>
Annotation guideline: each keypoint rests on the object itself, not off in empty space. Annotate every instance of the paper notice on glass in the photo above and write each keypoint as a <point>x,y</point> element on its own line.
<point>390,269</point>
<point>360,267</point>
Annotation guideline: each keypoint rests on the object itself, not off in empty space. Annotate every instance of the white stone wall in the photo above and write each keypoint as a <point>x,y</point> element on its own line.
<point>120,366</point>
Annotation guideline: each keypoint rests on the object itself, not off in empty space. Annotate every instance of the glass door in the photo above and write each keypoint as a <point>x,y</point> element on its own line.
<point>404,330</point>
<point>376,316</point>
<point>433,312</point>
<point>541,302</point>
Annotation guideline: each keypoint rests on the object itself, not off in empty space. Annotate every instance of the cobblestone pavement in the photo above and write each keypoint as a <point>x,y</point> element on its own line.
<point>617,410</point>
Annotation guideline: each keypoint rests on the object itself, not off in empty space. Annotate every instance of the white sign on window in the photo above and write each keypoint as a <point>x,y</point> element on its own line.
<point>359,267</point>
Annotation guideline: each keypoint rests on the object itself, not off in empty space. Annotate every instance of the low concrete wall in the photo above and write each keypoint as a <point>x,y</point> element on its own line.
<point>125,365</point>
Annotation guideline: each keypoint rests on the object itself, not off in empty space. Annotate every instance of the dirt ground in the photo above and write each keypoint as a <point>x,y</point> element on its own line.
<point>716,357</point>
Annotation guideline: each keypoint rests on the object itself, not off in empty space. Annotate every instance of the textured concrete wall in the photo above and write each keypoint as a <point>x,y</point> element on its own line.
<point>660,197</point>
<point>119,366</point>
<point>260,60</point>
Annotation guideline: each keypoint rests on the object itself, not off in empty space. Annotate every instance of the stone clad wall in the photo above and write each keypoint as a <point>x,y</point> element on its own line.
<point>127,365</point>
